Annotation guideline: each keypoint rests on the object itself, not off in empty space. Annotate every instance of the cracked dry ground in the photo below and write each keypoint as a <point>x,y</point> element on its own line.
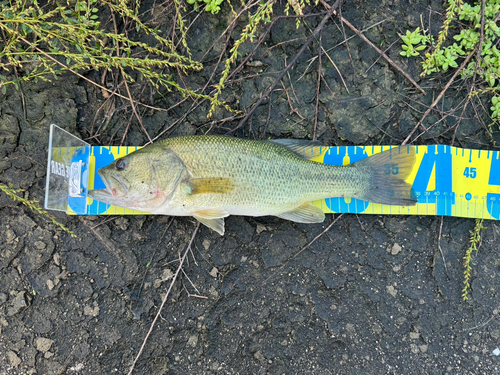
<point>371,296</point>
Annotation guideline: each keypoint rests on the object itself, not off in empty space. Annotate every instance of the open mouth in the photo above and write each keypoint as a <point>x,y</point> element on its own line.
<point>114,191</point>
<point>109,191</point>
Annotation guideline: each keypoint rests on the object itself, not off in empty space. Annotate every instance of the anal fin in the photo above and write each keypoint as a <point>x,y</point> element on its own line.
<point>305,213</point>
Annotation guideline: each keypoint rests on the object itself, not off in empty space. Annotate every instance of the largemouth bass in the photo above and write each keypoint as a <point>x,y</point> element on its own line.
<point>212,177</point>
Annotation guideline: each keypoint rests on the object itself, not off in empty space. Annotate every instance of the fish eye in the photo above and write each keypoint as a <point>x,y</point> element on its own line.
<point>120,165</point>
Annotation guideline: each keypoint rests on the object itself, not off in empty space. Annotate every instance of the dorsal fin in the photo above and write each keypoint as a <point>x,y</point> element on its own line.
<point>303,148</point>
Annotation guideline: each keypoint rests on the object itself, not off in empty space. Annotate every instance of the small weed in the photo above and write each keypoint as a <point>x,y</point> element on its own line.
<point>32,205</point>
<point>414,42</point>
<point>263,14</point>
<point>213,6</point>
<point>475,239</point>
<point>441,57</point>
<point>43,42</point>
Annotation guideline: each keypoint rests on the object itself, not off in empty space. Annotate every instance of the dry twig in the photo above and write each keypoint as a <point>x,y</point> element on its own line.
<point>393,64</point>
<point>179,268</point>
<point>466,61</point>
<point>269,90</point>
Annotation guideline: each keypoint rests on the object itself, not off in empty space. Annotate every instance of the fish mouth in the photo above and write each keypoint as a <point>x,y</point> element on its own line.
<point>114,191</point>
<point>109,192</point>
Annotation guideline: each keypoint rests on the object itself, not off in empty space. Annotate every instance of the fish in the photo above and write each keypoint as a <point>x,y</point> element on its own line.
<point>210,177</point>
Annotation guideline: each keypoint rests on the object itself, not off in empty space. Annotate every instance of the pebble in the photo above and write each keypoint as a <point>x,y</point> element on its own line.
<point>89,311</point>
<point>206,244</point>
<point>40,245</point>
<point>214,272</point>
<point>77,367</point>
<point>10,236</point>
<point>43,344</point>
<point>396,249</point>
<point>13,358</point>
<point>193,341</point>
<point>57,259</point>
<point>391,290</point>
<point>260,228</point>
<point>167,274</point>
<point>18,303</point>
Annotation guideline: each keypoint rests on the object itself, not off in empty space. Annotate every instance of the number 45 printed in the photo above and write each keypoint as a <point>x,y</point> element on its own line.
<point>470,172</point>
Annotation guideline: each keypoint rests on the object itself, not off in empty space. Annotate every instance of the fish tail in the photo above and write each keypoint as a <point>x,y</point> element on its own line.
<point>388,171</point>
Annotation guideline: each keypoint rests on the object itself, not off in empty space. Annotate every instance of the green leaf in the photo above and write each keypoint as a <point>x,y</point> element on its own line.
<point>415,39</point>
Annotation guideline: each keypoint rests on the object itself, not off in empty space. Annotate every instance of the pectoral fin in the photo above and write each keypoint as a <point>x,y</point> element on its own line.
<point>211,185</point>
<point>305,213</point>
<point>213,219</point>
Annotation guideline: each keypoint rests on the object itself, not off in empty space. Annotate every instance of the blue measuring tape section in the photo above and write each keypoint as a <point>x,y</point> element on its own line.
<point>446,180</point>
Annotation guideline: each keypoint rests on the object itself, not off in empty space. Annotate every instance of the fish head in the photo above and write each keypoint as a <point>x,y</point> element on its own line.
<point>143,180</point>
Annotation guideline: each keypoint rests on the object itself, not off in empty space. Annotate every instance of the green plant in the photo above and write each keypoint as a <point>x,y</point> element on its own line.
<point>495,107</point>
<point>414,42</point>
<point>32,205</point>
<point>263,14</point>
<point>441,57</point>
<point>213,6</point>
<point>44,42</point>
<point>475,239</point>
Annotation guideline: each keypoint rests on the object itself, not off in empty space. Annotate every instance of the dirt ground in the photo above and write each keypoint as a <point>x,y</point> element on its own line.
<point>370,296</point>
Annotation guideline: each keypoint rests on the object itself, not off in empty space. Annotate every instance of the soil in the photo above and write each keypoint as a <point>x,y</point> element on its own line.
<point>371,296</point>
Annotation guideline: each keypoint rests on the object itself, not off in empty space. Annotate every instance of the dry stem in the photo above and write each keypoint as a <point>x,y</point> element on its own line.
<point>179,268</point>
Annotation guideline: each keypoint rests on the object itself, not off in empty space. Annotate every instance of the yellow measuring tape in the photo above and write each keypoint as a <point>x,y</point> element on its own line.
<point>447,181</point>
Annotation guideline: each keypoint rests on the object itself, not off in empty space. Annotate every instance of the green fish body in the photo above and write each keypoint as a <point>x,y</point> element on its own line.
<point>212,177</point>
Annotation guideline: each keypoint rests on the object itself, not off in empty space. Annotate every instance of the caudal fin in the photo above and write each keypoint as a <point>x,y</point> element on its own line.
<point>388,170</point>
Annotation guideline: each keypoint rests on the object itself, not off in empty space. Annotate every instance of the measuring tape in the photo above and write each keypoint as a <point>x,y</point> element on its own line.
<point>446,180</point>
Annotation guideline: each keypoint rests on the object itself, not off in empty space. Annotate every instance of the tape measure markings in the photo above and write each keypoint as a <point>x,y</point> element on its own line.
<point>445,181</point>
